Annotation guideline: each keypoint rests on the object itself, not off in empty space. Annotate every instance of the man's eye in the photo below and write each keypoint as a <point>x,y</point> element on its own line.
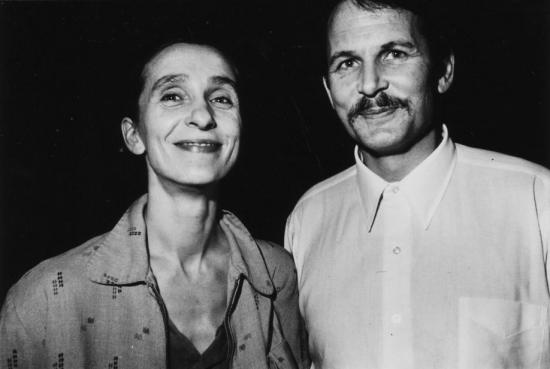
<point>395,54</point>
<point>346,64</point>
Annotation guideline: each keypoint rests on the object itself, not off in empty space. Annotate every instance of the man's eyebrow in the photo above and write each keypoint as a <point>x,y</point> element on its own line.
<point>340,54</point>
<point>404,43</point>
<point>169,78</point>
<point>224,80</point>
<point>387,46</point>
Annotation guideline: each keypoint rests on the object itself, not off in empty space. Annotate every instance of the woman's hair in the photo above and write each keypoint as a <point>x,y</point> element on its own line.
<point>137,72</point>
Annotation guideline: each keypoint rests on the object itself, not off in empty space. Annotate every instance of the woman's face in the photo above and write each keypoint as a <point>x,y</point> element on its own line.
<point>190,122</point>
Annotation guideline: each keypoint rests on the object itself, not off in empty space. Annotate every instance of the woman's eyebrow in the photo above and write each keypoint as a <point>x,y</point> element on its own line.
<point>169,78</point>
<point>223,80</point>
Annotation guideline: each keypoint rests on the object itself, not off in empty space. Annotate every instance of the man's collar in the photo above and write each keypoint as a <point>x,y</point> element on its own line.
<point>424,185</point>
<point>120,257</point>
<point>371,187</point>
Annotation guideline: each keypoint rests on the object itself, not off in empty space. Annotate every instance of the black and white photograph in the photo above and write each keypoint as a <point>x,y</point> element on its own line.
<point>275,184</point>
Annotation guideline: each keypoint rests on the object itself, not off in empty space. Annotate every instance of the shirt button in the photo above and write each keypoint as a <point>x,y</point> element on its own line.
<point>395,189</point>
<point>396,250</point>
<point>396,318</point>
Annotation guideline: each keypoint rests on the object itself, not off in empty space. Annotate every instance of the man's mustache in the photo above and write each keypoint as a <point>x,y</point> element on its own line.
<point>366,105</point>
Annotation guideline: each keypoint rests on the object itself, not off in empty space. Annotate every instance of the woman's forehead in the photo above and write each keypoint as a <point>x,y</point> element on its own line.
<point>191,60</point>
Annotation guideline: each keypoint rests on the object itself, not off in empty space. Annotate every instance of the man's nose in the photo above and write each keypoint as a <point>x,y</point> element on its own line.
<point>372,80</point>
<point>201,117</point>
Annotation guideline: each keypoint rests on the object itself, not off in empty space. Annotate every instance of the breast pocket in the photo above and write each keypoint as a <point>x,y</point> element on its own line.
<point>495,334</point>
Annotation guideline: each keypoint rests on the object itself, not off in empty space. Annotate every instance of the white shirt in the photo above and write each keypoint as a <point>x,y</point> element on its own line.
<point>444,269</point>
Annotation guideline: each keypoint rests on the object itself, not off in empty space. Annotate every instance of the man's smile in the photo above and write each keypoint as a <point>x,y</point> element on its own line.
<point>378,111</point>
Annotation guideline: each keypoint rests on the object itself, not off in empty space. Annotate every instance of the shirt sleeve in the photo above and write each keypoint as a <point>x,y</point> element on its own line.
<point>288,319</point>
<point>289,233</point>
<point>542,200</point>
<point>19,347</point>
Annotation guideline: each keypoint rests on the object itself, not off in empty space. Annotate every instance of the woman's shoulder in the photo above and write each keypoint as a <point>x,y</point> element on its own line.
<point>279,263</point>
<point>52,275</point>
<point>275,253</point>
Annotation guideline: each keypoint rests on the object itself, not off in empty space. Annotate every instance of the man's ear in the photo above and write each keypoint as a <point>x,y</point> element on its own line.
<point>445,81</point>
<point>131,136</point>
<point>325,83</point>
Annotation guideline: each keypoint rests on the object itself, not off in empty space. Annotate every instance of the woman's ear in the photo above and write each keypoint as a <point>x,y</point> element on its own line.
<point>131,136</point>
<point>444,82</point>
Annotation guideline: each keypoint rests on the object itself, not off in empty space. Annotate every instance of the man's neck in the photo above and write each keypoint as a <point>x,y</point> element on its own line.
<point>393,168</point>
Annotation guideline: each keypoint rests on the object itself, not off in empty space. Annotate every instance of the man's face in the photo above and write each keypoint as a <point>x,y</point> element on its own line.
<point>190,120</point>
<point>379,79</point>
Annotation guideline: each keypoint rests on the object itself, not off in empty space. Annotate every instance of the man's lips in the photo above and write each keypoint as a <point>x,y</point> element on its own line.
<point>199,146</point>
<point>378,111</point>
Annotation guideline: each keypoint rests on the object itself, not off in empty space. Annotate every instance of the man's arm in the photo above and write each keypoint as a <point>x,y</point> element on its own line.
<point>542,199</point>
<point>291,232</point>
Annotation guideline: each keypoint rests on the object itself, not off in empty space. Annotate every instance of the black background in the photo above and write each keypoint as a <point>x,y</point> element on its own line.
<point>66,177</point>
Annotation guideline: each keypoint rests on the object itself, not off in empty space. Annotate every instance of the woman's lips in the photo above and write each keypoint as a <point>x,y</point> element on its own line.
<point>199,146</point>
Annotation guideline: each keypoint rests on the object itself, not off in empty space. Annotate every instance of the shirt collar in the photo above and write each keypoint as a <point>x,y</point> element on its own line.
<point>246,255</point>
<point>424,186</point>
<point>120,257</point>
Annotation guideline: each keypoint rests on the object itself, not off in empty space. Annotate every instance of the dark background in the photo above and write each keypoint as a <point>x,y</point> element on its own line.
<point>66,177</point>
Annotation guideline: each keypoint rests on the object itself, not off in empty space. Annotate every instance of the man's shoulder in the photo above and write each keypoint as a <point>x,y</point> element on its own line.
<point>498,162</point>
<point>68,268</point>
<point>331,188</point>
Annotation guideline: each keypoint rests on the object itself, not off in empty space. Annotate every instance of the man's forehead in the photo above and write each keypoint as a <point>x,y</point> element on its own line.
<point>349,21</point>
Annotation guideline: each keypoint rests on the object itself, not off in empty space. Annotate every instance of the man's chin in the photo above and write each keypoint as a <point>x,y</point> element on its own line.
<point>381,147</point>
<point>381,140</point>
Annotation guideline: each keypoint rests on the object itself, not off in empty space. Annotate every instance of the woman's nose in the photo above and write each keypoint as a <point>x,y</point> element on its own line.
<point>201,117</point>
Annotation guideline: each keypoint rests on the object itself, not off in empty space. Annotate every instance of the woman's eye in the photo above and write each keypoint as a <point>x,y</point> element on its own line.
<point>222,101</point>
<point>171,97</point>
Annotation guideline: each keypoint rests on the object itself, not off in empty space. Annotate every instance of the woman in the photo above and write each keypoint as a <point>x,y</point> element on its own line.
<point>178,282</point>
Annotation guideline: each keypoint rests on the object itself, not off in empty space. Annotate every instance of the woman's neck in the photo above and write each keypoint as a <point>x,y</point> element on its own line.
<point>182,225</point>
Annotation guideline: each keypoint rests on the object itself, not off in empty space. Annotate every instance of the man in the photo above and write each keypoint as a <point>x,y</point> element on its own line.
<point>426,253</point>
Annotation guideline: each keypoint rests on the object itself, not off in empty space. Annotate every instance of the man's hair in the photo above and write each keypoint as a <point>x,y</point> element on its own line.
<point>432,23</point>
